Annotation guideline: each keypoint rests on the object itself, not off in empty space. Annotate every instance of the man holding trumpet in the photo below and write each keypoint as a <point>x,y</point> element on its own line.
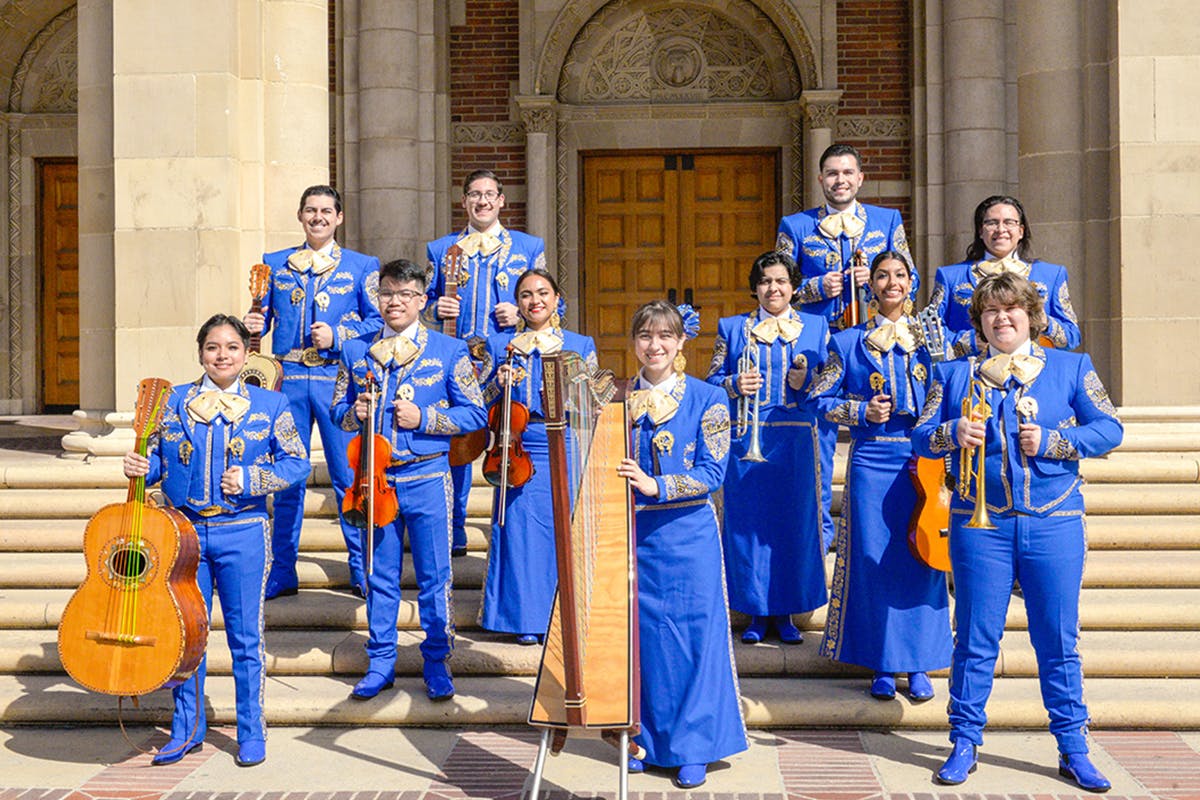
<point>1020,512</point>
<point>774,564</point>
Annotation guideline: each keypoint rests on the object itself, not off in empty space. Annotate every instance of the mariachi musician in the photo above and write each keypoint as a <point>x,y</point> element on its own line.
<point>889,612</point>
<point>1030,414</point>
<point>774,558</point>
<point>1003,243</point>
<point>221,448</point>
<point>518,591</point>
<point>690,712</point>
<point>427,392</point>
<point>485,303</point>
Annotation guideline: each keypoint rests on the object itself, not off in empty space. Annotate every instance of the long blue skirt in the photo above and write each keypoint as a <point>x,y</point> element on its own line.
<point>518,591</point>
<point>888,611</point>
<point>774,557</point>
<point>690,709</point>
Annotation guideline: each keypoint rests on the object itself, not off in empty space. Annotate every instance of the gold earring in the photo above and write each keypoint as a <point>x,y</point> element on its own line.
<point>520,324</point>
<point>908,306</point>
<point>680,363</point>
<point>555,320</point>
<point>873,305</point>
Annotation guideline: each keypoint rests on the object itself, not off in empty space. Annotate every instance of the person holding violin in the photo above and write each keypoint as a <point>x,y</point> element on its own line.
<point>321,296</point>
<point>484,303</point>
<point>221,448</point>
<point>888,611</point>
<point>1003,243</point>
<point>690,711</point>
<point>1023,416</point>
<point>774,558</point>
<point>427,392</point>
<point>518,591</point>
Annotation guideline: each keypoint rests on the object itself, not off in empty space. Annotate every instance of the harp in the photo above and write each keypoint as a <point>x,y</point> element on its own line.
<point>588,678</point>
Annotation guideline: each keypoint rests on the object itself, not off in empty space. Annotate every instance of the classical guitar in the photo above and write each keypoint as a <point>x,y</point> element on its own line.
<point>262,371</point>
<point>929,528</point>
<point>466,447</point>
<point>138,621</point>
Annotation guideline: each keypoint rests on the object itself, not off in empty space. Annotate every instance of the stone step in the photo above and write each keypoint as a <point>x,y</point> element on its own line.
<point>1152,569</point>
<point>1172,704</point>
<point>1106,654</point>
<point>323,609</point>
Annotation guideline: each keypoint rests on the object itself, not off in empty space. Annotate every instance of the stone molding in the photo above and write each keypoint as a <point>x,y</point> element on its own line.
<point>50,59</point>
<point>899,127</point>
<point>487,133</point>
<point>539,119</point>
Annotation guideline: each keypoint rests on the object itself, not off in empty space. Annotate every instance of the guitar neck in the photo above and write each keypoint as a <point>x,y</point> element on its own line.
<point>255,344</point>
<point>450,324</point>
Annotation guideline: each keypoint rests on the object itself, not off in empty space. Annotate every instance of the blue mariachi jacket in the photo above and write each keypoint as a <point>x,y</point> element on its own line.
<point>440,380</point>
<point>263,441</point>
<point>856,370</point>
<point>528,387</point>
<point>486,281</point>
<point>686,454</point>
<point>806,350</point>
<point>800,238</point>
<point>345,298</point>
<point>954,285</point>
<point>1066,399</point>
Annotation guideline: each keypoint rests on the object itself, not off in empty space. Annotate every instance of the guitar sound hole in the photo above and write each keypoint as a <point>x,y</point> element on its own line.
<point>253,380</point>
<point>128,563</point>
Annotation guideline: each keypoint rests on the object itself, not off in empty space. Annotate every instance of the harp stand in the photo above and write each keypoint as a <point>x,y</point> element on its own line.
<point>540,762</point>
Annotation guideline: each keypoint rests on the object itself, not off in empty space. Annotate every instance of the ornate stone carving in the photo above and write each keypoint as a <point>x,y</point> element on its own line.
<point>873,128</point>
<point>538,120</point>
<point>488,133</point>
<point>628,52</point>
<point>820,115</point>
<point>46,78</point>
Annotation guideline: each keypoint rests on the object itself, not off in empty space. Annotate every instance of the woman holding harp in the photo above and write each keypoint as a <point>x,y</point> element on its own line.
<point>774,560</point>
<point>890,612</point>
<point>521,576</point>
<point>690,712</point>
<point>1048,411</point>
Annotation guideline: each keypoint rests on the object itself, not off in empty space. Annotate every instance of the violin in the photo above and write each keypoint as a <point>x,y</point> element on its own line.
<point>465,447</point>
<point>853,305</point>
<point>370,501</point>
<point>138,621</point>
<point>507,463</point>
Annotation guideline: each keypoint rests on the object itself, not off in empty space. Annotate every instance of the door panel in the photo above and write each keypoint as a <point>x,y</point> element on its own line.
<point>691,223</point>
<point>58,256</point>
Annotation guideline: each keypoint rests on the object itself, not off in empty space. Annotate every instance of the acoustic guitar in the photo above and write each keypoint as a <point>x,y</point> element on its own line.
<point>138,621</point>
<point>466,447</point>
<point>929,528</point>
<point>262,371</point>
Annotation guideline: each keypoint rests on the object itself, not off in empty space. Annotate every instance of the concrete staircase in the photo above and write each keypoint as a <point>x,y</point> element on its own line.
<point>1140,615</point>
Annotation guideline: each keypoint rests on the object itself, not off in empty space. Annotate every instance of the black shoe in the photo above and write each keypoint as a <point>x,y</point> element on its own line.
<point>458,551</point>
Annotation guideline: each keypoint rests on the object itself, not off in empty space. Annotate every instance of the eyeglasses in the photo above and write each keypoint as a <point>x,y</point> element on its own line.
<point>476,195</point>
<point>407,295</point>
<point>994,224</point>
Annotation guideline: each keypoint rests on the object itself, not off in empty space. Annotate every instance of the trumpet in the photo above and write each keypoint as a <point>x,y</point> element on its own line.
<point>976,408</point>
<point>747,407</point>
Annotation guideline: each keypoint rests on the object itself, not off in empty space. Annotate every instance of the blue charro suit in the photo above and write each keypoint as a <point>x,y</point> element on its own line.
<point>440,380</point>
<point>801,237</point>
<point>689,695</point>
<point>188,456</point>
<point>487,279</point>
<point>1037,508</point>
<point>954,285</point>
<point>344,297</point>
<point>774,554</point>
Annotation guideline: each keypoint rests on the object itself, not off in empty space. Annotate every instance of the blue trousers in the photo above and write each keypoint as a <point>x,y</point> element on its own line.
<point>310,392</point>
<point>233,559</point>
<point>462,491</point>
<point>827,435</point>
<point>1046,555</point>
<point>424,494</point>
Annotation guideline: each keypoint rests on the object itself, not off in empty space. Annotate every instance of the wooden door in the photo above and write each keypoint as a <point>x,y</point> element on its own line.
<point>677,226</point>
<point>58,257</point>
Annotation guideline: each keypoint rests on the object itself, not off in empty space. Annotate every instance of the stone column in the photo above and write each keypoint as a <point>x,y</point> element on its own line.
<point>974,116</point>
<point>401,53</point>
<point>820,111</point>
<point>539,115</point>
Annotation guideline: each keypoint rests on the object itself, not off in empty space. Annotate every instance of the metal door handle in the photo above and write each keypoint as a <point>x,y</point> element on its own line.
<point>671,295</point>
<point>688,298</point>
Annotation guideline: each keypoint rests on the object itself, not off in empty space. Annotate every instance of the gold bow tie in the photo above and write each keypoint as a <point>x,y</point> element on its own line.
<point>655,403</point>
<point>995,266</point>
<point>889,334</point>
<point>206,406</point>
<point>398,349</point>
<point>476,242</point>
<point>847,222</point>
<point>996,369</point>
<point>310,260</point>
<point>542,341</point>
<point>772,328</point>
